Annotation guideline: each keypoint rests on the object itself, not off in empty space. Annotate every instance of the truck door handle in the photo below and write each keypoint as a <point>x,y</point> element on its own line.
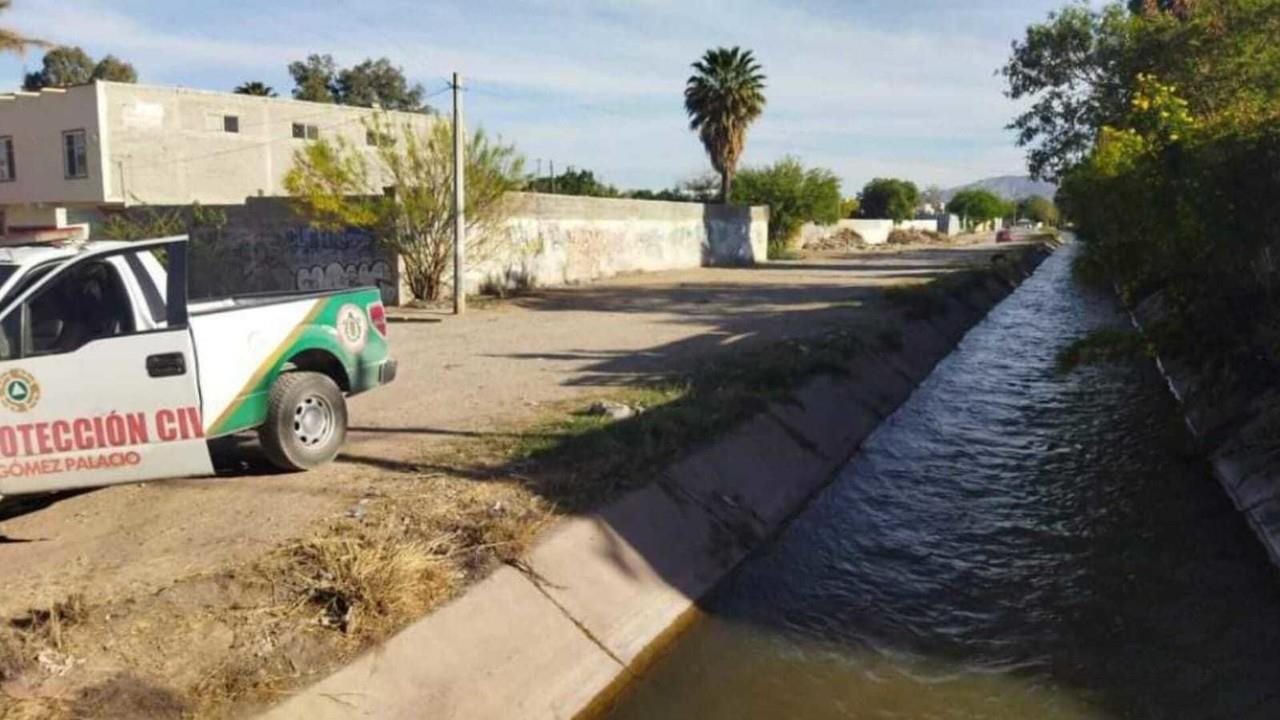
<point>166,365</point>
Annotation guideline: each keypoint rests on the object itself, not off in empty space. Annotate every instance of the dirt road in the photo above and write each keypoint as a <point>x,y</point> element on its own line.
<point>488,370</point>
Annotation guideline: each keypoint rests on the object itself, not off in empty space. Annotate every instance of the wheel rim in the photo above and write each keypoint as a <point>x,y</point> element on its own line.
<point>313,421</point>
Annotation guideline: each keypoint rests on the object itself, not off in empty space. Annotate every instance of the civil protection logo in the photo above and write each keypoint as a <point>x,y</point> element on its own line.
<point>19,390</point>
<point>352,328</point>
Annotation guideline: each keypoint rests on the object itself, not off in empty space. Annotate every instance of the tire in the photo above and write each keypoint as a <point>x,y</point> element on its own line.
<point>306,421</point>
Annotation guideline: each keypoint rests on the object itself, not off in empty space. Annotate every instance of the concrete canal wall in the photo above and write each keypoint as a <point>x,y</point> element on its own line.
<point>1237,433</point>
<point>560,633</point>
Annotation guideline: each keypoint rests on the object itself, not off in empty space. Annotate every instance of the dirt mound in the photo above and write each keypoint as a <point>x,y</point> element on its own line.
<point>842,239</point>
<point>914,237</point>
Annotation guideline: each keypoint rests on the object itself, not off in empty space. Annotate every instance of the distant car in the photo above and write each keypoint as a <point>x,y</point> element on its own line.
<point>1005,235</point>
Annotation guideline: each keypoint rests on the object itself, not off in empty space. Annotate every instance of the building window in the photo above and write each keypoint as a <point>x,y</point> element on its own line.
<point>305,132</point>
<point>7,172</point>
<point>75,154</point>
<point>231,123</point>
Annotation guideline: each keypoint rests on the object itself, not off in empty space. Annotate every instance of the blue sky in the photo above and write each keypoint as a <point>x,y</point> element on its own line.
<point>865,87</point>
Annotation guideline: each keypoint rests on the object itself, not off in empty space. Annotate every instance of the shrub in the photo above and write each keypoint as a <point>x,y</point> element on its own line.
<point>795,195</point>
<point>889,198</point>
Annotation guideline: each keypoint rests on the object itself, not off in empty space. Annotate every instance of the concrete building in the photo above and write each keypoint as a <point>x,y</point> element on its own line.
<point>96,147</point>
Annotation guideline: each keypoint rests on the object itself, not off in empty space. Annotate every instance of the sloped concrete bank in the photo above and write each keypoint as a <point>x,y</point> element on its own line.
<point>1238,432</point>
<point>557,635</point>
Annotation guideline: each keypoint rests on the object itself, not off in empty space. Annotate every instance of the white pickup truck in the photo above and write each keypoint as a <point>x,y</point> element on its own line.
<point>109,375</point>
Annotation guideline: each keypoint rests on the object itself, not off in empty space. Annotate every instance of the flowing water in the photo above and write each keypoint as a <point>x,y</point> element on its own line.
<point>1012,543</point>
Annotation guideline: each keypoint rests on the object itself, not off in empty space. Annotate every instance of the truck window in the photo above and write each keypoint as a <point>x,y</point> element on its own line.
<point>86,302</point>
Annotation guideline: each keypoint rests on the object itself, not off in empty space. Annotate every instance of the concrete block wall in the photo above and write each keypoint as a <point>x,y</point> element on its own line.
<point>562,239</point>
<point>548,240</point>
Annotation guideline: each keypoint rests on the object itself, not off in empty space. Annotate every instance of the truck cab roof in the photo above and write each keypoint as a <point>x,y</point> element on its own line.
<point>16,259</point>
<point>36,253</point>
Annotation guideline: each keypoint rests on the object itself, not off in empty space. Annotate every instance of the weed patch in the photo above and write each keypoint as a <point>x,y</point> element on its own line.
<point>1106,345</point>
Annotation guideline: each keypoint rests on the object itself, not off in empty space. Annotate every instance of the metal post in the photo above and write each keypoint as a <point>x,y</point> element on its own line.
<point>459,203</point>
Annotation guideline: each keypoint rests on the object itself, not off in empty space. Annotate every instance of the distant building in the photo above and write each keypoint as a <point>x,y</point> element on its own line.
<point>69,154</point>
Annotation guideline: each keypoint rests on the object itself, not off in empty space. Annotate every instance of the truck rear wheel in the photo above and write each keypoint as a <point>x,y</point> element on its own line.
<point>306,421</point>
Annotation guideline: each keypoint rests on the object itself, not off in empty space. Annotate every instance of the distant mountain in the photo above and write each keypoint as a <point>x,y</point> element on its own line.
<point>1010,187</point>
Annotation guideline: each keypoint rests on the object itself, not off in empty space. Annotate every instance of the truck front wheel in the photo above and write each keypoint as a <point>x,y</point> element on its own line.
<point>306,421</point>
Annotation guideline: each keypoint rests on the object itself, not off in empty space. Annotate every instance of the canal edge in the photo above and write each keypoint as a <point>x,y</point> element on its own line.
<point>600,597</point>
<point>1249,475</point>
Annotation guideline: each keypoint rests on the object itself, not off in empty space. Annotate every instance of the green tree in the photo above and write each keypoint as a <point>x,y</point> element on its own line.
<point>722,98</point>
<point>1180,9</point>
<point>61,67</point>
<point>372,83</point>
<point>572,182</point>
<point>12,41</point>
<point>795,195</point>
<point>315,79</point>
<point>850,207</point>
<point>378,83</point>
<point>1072,67</point>
<point>67,66</point>
<point>338,185</point>
<point>977,205</point>
<point>889,198</point>
<point>114,69</point>
<point>1038,209</point>
<point>255,87</point>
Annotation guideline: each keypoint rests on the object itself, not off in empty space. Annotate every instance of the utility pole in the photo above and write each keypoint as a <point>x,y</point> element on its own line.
<point>459,203</point>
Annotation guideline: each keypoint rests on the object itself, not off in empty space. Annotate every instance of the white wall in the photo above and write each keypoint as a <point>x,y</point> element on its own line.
<point>560,239</point>
<point>36,122</point>
<point>168,145</point>
<point>163,145</point>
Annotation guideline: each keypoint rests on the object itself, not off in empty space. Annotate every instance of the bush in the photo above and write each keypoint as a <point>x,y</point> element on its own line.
<point>889,198</point>
<point>795,195</point>
<point>979,206</point>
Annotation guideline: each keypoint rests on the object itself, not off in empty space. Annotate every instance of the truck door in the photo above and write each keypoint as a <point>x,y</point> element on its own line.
<point>87,397</point>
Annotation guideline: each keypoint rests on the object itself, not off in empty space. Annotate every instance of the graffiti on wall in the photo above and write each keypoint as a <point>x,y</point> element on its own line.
<point>253,253</point>
<point>336,276</point>
<point>334,260</point>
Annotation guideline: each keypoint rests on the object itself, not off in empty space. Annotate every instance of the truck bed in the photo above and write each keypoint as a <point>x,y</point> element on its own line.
<point>253,300</point>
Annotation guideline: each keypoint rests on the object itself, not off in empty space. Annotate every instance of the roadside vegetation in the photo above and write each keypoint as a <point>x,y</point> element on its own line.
<point>1106,345</point>
<point>1162,120</point>
<point>336,185</point>
<point>794,194</point>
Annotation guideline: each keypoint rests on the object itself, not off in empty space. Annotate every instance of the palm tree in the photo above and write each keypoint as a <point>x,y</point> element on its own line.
<point>723,97</point>
<point>255,87</point>
<point>13,42</point>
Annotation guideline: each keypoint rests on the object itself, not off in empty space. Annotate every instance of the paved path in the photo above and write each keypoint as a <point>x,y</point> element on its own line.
<point>495,366</point>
